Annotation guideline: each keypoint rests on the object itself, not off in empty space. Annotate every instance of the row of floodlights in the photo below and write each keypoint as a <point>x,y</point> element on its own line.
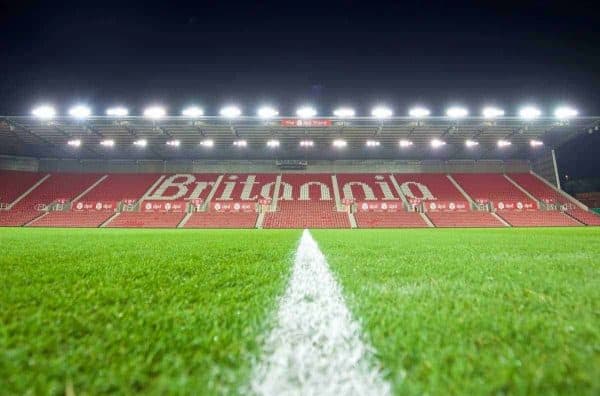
<point>82,112</point>
<point>338,143</point>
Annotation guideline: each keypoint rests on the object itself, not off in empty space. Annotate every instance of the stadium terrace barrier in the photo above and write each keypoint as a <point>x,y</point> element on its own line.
<point>288,200</point>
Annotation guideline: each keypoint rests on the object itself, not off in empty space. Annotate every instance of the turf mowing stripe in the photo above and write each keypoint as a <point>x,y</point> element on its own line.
<point>316,347</point>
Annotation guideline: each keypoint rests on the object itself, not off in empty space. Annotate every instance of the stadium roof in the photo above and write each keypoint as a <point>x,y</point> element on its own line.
<point>30,136</point>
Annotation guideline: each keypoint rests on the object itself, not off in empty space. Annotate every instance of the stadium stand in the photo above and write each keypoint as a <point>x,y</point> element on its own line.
<point>146,220</point>
<point>494,188</point>
<point>537,218</point>
<point>222,220</point>
<point>464,219</point>
<point>584,216</point>
<point>392,219</point>
<point>15,183</point>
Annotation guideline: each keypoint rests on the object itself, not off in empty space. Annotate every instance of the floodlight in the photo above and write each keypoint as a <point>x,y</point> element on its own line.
<point>306,112</point>
<point>529,112</point>
<point>80,112</point>
<point>306,143</point>
<point>193,112</point>
<point>273,143</point>
<point>492,112</point>
<point>405,143</point>
<point>140,143</point>
<point>207,143</point>
<point>373,143</point>
<point>117,112</point>
<point>565,112</point>
<point>74,143</point>
<point>536,143</point>
<point>457,112</point>
<point>471,143</point>
<point>436,143</point>
<point>419,112</point>
<point>44,112</point>
<point>107,143</point>
<point>173,143</point>
<point>339,143</point>
<point>230,112</point>
<point>503,143</point>
<point>382,112</point>
<point>344,112</point>
<point>240,143</point>
<point>267,112</point>
<point>155,112</point>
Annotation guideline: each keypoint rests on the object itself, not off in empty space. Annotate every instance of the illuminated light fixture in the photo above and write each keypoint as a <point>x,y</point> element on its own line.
<point>419,112</point>
<point>267,112</point>
<point>405,143</point>
<point>503,143</point>
<point>74,143</point>
<point>173,143</point>
<point>373,143</point>
<point>344,112</point>
<point>207,143</point>
<point>44,112</point>
<point>306,112</point>
<point>457,112</point>
<point>536,143</point>
<point>193,112</point>
<point>273,143</point>
<point>140,143</point>
<point>230,112</point>
<point>80,112</point>
<point>117,112</point>
<point>382,112</point>
<point>529,113</point>
<point>492,112</point>
<point>471,143</point>
<point>565,112</point>
<point>155,112</point>
<point>240,143</point>
<point>339,143</point>
<point>306,143</point>
<point>107,143</point>
<point>437,143</point>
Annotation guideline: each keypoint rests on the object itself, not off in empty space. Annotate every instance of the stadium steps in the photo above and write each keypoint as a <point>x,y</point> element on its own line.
<point>585,217</point>
<point>523,190</point>
<point>184,220</point>
<point>399,219</point>
<point>27,224</point>
<point>83,219</point>
<point>464,219</point>
<point>111,218</point>
<point>90,188</point>
<point>559,191</point>
<point>537,218</point>
<point>460,189</point>
<point>27,192</point>
<point>426,220</point>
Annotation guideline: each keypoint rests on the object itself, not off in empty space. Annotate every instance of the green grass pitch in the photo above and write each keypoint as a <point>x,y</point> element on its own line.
<point>503,311</point>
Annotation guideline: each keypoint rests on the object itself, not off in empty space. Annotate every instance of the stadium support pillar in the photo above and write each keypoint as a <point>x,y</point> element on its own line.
<point>555,167</point>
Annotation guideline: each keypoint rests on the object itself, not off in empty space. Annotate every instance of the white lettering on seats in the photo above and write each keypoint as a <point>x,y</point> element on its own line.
<point>425,193</point>
<point>170,182</point>
<point>367,191</point>
<point>305,191</point>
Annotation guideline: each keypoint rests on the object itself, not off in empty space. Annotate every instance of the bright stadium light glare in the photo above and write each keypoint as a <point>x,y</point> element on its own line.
<point>437,143</point>
<point>536,143</point>
<point>107,143</point>
<point>405,143</point>
<point>273,143</point>
<point>306,143</point>
<point>419,112</point>
<point>457,112</point>
<point>339,143</point>
<point>344,112</point>
<point>140,143</point>
<point>74,143</point>
<point>373,143</point>
<point>503,143</point>
<point>240,143</point>
<point>306,112</point>
<point>207,143</point>
<point>530,113</point>
<point>193,112</point>
<point>173,143</point>
<point>155,112</point>
<point>471,143</point>
<point>267,112</point>
<point>382,112</point>
<point>80,112</point>
<point>230,112</point>
<point>565,112</point>
<point>44,112</point>
<point>117,112</point>
<point>492,112</point>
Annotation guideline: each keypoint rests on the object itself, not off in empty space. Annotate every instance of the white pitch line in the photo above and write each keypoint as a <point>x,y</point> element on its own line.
<point>316,347</point>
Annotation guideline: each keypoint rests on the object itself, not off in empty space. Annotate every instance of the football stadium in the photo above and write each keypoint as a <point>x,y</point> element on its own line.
<point>306,254</point>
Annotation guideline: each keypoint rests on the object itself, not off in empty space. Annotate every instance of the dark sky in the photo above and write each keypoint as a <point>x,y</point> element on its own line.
<point>288,53</point>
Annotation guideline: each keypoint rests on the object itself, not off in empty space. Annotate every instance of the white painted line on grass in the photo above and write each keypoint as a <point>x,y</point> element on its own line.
<point>316,347</point>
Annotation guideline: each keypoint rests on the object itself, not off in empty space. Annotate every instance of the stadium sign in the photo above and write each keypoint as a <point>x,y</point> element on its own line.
<point>305,123</point>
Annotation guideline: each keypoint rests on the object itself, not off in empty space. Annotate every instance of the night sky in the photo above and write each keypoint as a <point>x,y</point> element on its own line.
<point>358,53</point>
